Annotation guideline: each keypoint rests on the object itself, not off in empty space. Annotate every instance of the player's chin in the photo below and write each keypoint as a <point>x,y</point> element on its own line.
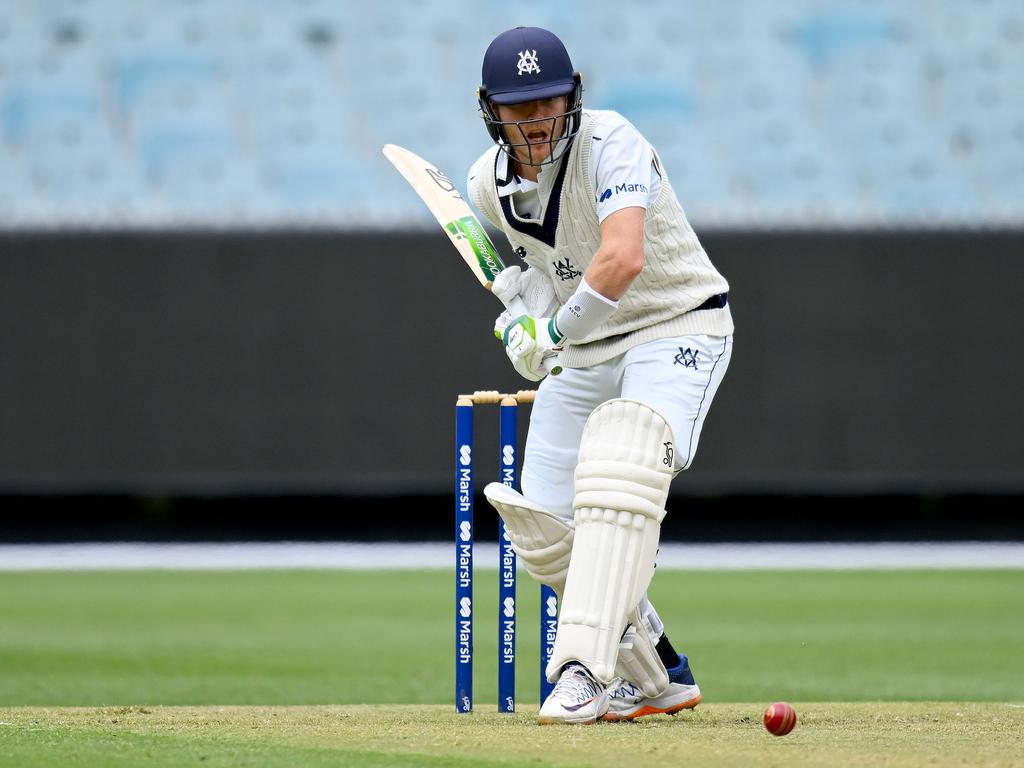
<point>532,158</point>
<point>538,152</point>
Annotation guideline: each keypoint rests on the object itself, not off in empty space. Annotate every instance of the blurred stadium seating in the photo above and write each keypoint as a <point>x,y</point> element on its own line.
<point>243,113</point>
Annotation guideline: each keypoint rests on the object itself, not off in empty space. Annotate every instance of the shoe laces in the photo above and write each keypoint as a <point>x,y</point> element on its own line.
<point>624,689</point>
<point>576,683</point>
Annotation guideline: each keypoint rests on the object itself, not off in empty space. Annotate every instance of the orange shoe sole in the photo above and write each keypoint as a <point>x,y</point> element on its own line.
<point>644,711</point>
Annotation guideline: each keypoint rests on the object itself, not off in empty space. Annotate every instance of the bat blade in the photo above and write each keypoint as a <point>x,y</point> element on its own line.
<point>452,212</point>
<point>463,228</point>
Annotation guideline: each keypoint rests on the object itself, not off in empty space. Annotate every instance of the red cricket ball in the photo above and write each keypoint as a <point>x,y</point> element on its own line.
<point>780,718</point>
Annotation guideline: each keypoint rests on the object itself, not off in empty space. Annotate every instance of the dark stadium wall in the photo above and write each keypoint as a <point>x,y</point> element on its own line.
<point>175,364</point>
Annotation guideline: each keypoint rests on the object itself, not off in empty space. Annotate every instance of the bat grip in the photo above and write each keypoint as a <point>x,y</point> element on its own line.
<point>550,362</point>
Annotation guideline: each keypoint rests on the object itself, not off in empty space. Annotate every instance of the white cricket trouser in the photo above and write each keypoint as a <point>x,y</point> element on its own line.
<point>678,377</point>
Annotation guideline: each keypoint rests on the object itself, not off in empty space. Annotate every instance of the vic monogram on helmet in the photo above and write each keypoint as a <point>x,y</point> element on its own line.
<point>529,64</point>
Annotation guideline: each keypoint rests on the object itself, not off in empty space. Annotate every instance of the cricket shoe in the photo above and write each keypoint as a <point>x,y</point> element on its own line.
<point>627,702</point>
<point>576,698</point>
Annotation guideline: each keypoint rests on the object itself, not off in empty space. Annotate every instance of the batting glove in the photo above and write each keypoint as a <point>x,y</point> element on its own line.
<point>532,286</point>
<point>528,340</point>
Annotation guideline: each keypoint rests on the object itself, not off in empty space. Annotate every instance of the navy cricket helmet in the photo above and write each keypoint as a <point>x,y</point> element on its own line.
<point>528,64</point>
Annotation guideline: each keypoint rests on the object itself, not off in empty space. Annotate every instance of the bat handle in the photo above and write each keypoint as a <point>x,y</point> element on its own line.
<point>551,364</point>
<point>517,308</point>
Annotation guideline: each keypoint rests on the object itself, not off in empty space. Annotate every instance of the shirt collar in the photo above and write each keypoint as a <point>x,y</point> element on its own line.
<point>509,182</point>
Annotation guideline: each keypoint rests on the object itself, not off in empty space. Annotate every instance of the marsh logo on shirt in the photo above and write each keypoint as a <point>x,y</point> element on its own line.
<point>521,253</point>
<point>618,189</point>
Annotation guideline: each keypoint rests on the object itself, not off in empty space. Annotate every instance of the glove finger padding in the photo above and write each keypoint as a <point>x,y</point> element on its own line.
<point>506,284</point>
<point>523,350</point>
<point>529,372</point>
<point>538,293</point>
<point>501,322</point>
<point>532,286</point>
<point>521,337</point>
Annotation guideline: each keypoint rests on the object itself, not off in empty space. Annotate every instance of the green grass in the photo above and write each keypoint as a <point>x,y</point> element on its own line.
<point>335,637</point>
<point>895,735</point>
<point>277,668</point>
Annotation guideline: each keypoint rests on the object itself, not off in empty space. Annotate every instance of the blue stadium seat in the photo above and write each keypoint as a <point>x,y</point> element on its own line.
<point>242,111</point>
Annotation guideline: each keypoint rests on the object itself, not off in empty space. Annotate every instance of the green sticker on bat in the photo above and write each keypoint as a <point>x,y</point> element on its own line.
<point>487,257</point>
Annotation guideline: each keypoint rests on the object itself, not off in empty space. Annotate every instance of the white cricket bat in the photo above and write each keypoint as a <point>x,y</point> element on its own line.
<point>459,222</point>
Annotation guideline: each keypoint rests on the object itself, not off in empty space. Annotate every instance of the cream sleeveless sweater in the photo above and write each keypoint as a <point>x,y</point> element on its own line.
<point>677,275</point>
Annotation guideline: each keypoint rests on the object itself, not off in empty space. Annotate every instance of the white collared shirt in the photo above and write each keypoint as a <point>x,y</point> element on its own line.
<point>621,165</point>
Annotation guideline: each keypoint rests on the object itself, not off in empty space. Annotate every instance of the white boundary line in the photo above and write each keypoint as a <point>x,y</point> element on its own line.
<point>401,556</point>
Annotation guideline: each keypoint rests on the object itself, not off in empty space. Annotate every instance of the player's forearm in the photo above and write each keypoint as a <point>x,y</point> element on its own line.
<point>614,269</point>
<point>609,275</point>
<point>620,257</point>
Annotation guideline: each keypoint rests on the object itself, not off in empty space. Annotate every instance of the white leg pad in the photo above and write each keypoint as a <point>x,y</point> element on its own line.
<point>541,541</point>
<point>638,659</point>
<point>622,481</point>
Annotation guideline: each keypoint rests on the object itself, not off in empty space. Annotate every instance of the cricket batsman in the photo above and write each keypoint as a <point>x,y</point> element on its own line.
<point>618,286</point>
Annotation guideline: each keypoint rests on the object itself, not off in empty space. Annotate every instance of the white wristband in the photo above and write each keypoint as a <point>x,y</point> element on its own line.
<point>584,312</point>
